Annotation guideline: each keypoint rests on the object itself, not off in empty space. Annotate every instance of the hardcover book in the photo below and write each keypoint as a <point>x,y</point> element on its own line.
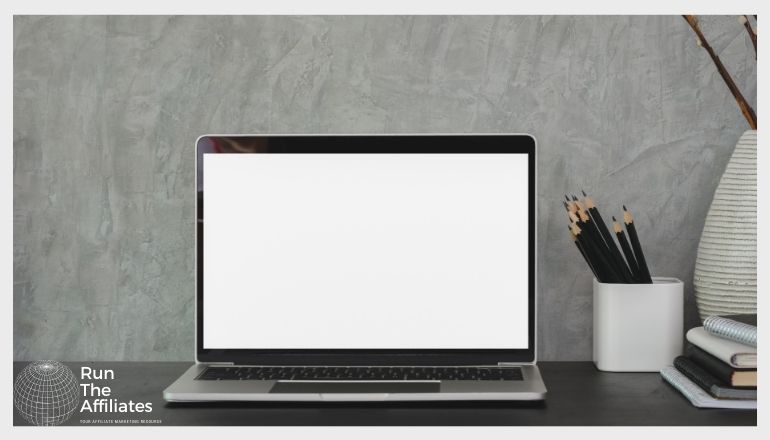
<point>723,372</point>
<point>714,386</point>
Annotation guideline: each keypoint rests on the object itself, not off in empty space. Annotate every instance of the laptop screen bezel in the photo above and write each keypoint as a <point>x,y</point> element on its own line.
<point>389,144</point>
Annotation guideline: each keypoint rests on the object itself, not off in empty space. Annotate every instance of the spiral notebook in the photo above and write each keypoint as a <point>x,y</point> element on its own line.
<point>697,396</point>
<point>737,328</point>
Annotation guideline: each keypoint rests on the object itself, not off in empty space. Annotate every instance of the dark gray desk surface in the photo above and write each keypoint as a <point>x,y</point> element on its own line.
<point>578,394</point>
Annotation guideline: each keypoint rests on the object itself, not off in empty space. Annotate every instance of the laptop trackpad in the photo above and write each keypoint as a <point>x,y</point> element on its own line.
<point>356,387</point>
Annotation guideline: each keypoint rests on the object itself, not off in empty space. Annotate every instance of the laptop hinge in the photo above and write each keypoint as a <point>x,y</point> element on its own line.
<point>218,363</point>
<point>508,364</point>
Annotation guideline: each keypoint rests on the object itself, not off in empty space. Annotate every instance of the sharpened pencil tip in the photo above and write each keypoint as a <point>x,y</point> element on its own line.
<point>624,208</point>
<point>566,197</point>
<point>574,198</point>
<point>584,193</point>
<point>566,206</point>
<point>614,219</point>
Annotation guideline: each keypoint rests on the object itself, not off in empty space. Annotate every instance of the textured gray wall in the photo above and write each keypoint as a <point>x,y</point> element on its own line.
<point>106,110</point>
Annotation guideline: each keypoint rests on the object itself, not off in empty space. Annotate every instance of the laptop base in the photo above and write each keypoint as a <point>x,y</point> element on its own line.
<point>188,389</point>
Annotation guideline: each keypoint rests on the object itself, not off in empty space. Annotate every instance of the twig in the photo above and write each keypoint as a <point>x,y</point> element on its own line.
<point>746,109</point>
<point>752,34</point>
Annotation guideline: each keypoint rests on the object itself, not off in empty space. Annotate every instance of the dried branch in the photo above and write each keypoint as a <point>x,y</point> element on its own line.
<point>746,109</point>
<point>752,35</point>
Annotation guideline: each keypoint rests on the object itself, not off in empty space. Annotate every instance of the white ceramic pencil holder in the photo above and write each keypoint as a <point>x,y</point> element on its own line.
<point>638,327</point>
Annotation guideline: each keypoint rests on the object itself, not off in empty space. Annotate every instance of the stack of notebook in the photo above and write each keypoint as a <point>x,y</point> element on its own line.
<point>720,367</point>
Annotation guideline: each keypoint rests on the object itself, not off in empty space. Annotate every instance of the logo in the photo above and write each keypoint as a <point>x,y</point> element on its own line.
<point>46,393</point>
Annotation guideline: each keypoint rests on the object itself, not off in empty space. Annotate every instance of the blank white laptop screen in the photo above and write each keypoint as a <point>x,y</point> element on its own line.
<point>365,251</point>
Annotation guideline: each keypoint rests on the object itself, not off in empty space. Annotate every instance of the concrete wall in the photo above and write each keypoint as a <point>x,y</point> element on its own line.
<point>106,110</point>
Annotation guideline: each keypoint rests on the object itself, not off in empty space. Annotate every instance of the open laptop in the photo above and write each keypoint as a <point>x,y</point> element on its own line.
<point>364,268</point>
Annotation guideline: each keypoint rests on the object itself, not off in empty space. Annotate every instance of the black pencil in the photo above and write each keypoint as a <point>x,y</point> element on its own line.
<point>626,249</point>
<point>571,207</point>
<point>599,261</point>
<point>585,208</point>
<point>574,219</point>
<point>593,230</point>
<point>597,217</point>
<point>589,230</point>
<point>636,245</point>
<point>602,230</point>
<point>571,213</point>
<point>578,204</point>
<point>580,219</point>
<point>592,234</point>
<point>602,263</point>
<point>582,252</point>
<point>591,260</point>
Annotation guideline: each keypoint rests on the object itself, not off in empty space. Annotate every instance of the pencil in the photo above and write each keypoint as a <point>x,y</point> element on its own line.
<point>584,221</point>
<point>582,252</point>
<point>578,203</point>
<point>571,207</point>
<point>626,248</point>
<point>598,259</point>
<point>602,230</point>
<point>597,270</point>
<point>597,217</point>
<point>591,233</point>
<point>588,225</point>
<point>644,271</point>
<point>574,220</point>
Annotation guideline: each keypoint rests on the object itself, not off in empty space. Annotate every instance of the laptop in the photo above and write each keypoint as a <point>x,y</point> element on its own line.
<point>364,268</point>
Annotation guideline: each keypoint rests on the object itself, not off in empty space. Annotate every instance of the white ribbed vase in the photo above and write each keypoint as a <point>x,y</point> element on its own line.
<point>726,266</point>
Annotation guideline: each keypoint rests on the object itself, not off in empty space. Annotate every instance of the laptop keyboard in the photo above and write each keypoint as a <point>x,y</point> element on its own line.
<point>361,373</point>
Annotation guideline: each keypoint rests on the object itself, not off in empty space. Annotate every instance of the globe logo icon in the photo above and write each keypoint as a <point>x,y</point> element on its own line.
<point>46,393</point>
